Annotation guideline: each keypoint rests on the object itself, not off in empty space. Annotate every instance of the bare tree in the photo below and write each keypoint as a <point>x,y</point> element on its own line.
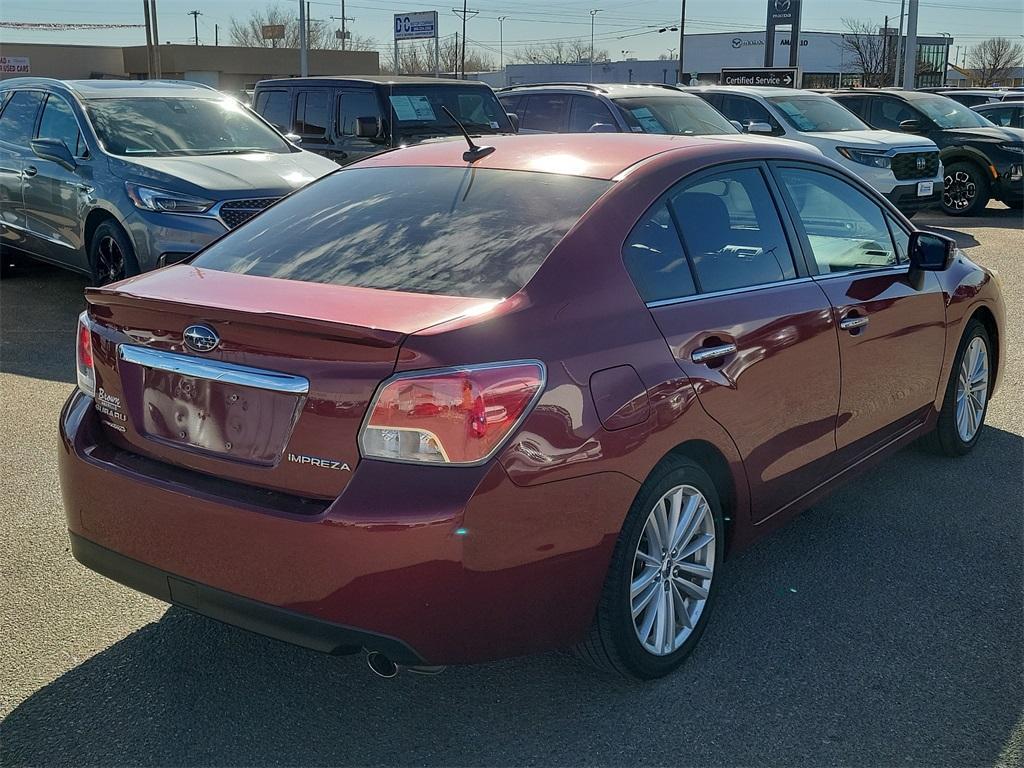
<point>559,52</point>
<point>993,59</point>
<point>248,32</point>
<point>873,54</point>
<point>417,58</point>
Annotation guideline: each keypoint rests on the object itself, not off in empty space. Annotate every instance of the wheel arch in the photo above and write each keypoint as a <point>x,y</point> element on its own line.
<point>92,222</point>
<point>967,155</point>
<point>714,462</point>
<point>985,316</point>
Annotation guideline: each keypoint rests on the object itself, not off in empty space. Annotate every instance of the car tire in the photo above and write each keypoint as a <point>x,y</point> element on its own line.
<point>965,189</point>
<point>111,254</point>
<point>965,404</point>
<point>613,641</point>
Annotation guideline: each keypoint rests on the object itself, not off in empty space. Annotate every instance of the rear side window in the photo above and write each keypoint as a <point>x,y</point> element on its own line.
<point>58,122</point>
<point>732,232</point>
<point>18,120</point>
<point>654,258</point>
<point>272,106</point>
<point>545,112</point>
<point>312,113</point>
<point>447,231</point>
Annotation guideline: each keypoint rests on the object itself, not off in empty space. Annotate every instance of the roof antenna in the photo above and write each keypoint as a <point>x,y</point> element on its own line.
<point>474,152</point>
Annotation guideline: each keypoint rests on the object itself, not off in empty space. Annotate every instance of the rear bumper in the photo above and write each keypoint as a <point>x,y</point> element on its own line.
<point>428,565</point>
<point>905,197</point>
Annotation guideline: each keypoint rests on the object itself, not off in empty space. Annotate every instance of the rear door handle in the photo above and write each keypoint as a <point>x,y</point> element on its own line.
<point>853,322</point>
<point>29,171</point>
<point>707,354</point>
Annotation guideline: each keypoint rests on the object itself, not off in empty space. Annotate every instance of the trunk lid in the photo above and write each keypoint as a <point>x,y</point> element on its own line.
<point>279,400</point>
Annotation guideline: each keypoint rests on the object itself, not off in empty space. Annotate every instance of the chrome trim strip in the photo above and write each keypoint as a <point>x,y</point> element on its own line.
<point>213,370</point>
<point>728,292</point>
<point>850,323</point>
<point>706,354</point>
<point>865,272</point>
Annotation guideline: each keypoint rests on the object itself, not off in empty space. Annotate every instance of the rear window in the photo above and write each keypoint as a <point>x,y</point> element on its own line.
<point>471,232</point>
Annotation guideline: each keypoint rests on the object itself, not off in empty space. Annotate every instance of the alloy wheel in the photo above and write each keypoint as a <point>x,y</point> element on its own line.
<point>972,389</point>
<point>110,263</point>
<point>959,191</point>
<point>672,570</point>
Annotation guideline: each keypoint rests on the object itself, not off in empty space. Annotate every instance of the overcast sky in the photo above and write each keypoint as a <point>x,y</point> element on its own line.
<point>621,25</point>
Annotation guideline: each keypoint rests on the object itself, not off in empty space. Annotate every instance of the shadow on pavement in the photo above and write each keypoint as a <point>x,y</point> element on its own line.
<point>880,628</point>
<point>39,306</point>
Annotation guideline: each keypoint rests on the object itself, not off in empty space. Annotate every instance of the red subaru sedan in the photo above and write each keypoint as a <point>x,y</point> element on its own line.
<point>447,410</point>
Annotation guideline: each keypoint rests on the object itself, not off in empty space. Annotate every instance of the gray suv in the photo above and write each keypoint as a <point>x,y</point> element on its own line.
<point>112,178</point>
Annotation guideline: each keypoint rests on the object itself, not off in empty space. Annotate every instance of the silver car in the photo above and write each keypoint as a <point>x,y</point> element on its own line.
<point>112,178</point>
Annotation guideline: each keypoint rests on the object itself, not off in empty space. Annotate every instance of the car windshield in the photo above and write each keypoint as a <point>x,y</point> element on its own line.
<point>479,233</point>
<point>679,114</point>
<point>154,127</point>
<point>947,113</point>
<point>416,111</point>
<point>817,113</point>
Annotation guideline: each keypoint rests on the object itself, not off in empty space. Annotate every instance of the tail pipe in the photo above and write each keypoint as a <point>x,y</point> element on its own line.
<point>382,666</point>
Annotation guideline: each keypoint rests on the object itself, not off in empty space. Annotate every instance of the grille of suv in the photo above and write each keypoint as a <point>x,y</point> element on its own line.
<point>905,165</point>
<point>235,212</point>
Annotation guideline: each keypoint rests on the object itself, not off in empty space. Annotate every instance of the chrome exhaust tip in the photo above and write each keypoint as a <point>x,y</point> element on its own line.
<point>381,665</point>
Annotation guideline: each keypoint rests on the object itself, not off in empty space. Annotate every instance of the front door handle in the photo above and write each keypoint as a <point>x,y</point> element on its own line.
<point>853,322</point>
<point>29,171</point>
<point>707,354</point>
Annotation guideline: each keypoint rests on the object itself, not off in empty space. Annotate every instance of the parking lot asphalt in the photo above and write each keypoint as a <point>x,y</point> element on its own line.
<point>883,627</point>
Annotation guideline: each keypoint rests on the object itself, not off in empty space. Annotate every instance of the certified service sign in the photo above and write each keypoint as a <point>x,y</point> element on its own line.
<point>15,65</point>
<point>416,26</point>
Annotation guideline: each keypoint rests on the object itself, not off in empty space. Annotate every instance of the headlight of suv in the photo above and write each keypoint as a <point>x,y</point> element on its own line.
<point>150,199</point>
<point>870,157</point>
<point>1017,149</point>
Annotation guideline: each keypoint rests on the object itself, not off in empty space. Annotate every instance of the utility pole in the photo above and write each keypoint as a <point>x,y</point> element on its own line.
<point>344,31</point>
<point>158,73</point>
<point>593,13</point>
<point>216,34</point>
<point>910,49</point>
<point>149,40</point>
<point>885,46</point>
<point>501,47</point>
<point>899,45</point>
<point>682,33</point>
<point>195,22</point>
<point>303,41</point>
<point>464,14</point>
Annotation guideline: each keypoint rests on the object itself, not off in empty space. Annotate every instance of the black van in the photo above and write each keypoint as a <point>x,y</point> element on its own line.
<point>350,117</point>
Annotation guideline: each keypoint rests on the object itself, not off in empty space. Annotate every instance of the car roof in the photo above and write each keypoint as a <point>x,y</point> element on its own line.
<point>592,155</point>
<point>113,89</point>
<point>367,79</point>
<point>998,104</point>
<point>611,90</point>
<point>897,92</point>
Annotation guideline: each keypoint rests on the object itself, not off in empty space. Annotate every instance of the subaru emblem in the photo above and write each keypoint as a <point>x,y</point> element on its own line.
<point>201,338</point>
<point>921,162</point>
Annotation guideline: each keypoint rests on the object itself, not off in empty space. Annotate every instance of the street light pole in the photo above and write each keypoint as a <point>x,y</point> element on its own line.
<point>910,49</point>
<point>682,25</point>
<point>593,13</point>
<point>501,47</point>
<point>303,41</point>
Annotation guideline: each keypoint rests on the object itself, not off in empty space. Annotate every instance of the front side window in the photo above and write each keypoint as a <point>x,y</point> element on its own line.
<point>312,113</point>
<point>890,112</point>
<point>356,104</point>
<point>587,112</point>
<point>167,126</point>
<point>846,229</point>
<point>19,117</point>
<point>654,258</point>
<point>58,122</point>
<point>272,106</point>
<point>681,115</point>
<point>732,232</point>
<point>472,232</point>
<point>746,111</point>
<point>816,113</point>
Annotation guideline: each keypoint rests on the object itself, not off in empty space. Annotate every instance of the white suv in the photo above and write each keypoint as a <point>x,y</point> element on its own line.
<point>904,168</point>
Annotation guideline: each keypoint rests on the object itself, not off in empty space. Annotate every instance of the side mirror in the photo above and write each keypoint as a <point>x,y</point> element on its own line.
<point>368,127</point>
<point>294,138</point>
<point>756,126</point>
<point>930,252</point>
<point>55,150</point>
<point>602,128</point>
<point>911,126</point>
<point>737,125</point>
<point>514,119</point>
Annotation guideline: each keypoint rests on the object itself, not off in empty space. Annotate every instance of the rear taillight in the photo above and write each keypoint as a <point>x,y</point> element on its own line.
<point>450,416</point>
<point>86,369</point>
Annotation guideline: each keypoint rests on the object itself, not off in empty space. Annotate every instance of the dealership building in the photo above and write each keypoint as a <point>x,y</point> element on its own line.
<point>825,62</point>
